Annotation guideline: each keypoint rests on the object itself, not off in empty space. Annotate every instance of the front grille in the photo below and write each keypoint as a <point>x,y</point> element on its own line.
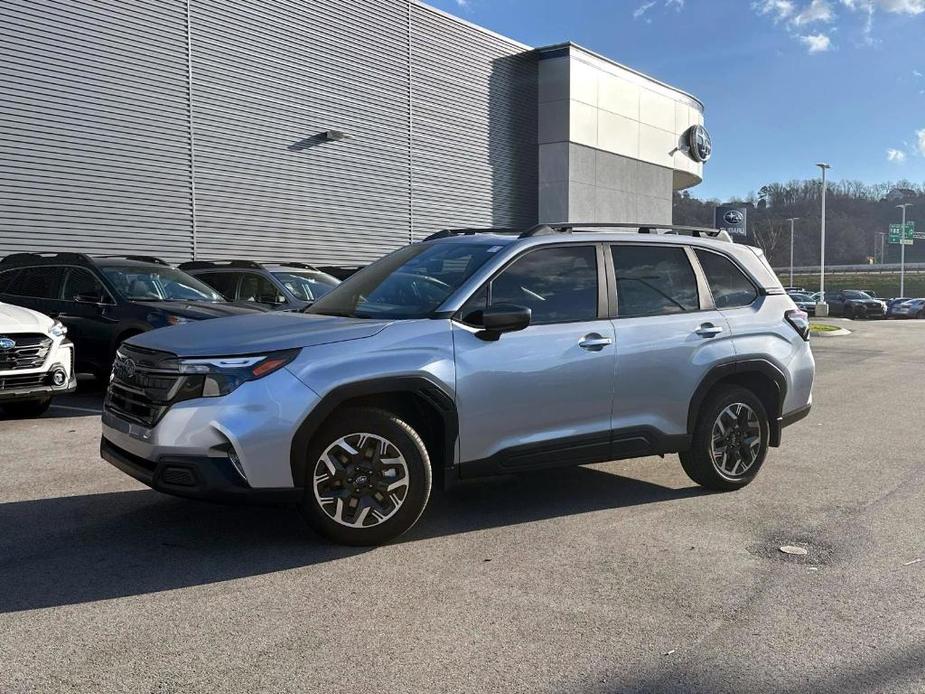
<point>29,352</point>
<point>145,383</point>
<point>23,381</point>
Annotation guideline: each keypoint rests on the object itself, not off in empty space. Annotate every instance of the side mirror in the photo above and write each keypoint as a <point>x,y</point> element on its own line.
<point>503,318</point>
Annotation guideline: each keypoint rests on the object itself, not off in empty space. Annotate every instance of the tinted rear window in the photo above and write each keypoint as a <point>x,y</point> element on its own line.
<point>653,281</point>
<point>37,282</point>
<point>730,286</point>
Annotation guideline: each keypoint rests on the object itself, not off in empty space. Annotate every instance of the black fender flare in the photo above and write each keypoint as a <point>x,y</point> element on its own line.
<point>431,392</point>
<point>738,368</point>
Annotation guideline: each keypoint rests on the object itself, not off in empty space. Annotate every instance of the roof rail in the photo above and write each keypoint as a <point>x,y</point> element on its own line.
<point>291,263</point>
<point>467,231</point>
<point>31,257</point>
<point>139,258</point>
<point>200,264</point>
<point>624,227</point>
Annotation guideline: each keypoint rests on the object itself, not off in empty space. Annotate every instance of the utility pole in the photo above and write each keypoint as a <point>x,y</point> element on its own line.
<point>822,308</point>
<point>902,251</point>
<point>791,220</point>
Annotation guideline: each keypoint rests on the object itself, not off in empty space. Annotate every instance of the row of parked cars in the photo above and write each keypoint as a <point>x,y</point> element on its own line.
<point>61,313</point>
<point>858,303</point>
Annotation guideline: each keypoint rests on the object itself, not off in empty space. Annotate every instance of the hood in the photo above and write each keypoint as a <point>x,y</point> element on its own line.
<point>16,319</point>
<point>256,333</point>
<point>202,310</point>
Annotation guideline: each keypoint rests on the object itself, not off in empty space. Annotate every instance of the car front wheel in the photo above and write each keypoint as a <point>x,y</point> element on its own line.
<point>368,478</point>
<point>730,440</point>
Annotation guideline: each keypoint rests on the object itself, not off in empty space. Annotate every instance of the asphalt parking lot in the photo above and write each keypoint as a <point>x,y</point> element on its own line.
<point>622,577</point>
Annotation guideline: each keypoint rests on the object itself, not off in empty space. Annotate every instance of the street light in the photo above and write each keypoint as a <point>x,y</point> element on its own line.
<point>821,303</point>
<point>902,250</point>
<point>791,220</point>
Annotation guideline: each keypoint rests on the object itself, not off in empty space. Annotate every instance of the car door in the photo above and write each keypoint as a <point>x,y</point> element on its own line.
<point>541,396</point>
<point>90,323</point>
<point>668,335</point>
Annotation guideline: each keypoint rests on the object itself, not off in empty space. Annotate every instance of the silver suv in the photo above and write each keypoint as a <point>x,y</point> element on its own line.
<point>475,352</point>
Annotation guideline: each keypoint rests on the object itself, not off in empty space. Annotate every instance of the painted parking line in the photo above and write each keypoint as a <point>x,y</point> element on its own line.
<point>70,408</point>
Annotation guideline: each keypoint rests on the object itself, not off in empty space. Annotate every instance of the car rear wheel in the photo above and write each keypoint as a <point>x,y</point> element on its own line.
<point>368,478</point>
<point>730,440</point>
<point>27,408</point>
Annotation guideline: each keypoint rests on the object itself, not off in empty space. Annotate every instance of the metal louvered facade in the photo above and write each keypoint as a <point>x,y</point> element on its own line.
<point>94,127</point>
<point>193,128</point>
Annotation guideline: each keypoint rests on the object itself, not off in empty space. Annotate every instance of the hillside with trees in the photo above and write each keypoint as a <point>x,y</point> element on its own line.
<point>856,213</point>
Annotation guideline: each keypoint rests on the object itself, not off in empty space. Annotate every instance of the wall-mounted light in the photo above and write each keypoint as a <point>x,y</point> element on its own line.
<point>319,139</point>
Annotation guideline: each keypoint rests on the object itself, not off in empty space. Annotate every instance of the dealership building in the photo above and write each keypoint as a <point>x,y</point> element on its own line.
<point>327,131</point>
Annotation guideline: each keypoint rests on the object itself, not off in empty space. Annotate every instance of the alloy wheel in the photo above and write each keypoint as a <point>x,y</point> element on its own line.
<point>361,480</point>
<point>735,440</point>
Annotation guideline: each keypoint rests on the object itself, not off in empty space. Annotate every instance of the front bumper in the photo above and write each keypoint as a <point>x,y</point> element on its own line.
<point>37,392</point>
<point>194,477</point>
<point>256,421</point>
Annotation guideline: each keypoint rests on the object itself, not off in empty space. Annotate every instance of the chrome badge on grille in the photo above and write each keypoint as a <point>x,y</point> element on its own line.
<point>7,343</point>
<point>124,369</point>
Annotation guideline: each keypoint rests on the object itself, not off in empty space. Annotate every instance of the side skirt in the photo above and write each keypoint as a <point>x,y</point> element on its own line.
<point>577,450</point>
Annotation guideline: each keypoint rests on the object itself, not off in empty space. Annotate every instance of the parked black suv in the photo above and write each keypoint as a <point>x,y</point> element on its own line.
<point>104,300</point>
<point>853,303</point>
<point>285,286</point>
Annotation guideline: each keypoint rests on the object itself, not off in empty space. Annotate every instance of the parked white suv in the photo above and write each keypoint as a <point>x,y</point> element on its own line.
<point>36,361</point>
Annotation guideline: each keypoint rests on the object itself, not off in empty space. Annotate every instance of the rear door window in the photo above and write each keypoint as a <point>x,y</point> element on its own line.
<point>7,279</point>
<point>653,281</point>
<point>729,285</point>
<point>38,282</point>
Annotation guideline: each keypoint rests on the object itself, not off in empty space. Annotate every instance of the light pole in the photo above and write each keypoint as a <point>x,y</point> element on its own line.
<point>791,220</point>
<point>821,304</point>
<point>902,250</point>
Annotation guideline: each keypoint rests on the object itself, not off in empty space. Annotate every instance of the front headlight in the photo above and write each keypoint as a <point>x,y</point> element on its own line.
<point>177,320</point>
<point>58,329</point>
<point>222,375</point>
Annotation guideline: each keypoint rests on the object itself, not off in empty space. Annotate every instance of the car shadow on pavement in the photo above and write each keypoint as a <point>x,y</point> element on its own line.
<point>67,550</point>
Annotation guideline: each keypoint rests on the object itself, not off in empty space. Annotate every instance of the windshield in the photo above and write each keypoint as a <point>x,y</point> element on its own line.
<point>854,294</point>
<point>145,283</point>
<point>308,285</point>
<point>800,297</point>
<point>409,283</point>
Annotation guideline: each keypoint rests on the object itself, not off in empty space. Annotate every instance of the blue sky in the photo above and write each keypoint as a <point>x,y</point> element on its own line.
<point>786,83</point>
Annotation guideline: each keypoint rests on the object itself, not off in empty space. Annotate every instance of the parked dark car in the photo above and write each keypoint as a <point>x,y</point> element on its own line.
<point>804,302</point>
<point>104,300</point>
<point>277,286</point>
<point>853,303</point>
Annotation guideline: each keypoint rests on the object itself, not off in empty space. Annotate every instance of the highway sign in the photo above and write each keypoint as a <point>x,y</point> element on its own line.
<point>897,235</point>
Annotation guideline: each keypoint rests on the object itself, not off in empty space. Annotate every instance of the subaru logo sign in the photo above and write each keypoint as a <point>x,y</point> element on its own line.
<point>734,217</point>
<point>7,343</point>
<point>699,143</point>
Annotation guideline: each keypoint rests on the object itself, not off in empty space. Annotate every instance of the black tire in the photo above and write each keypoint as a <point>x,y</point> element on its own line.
<point>698,462</point>
<point>366,465</point>
<point>27,408</point>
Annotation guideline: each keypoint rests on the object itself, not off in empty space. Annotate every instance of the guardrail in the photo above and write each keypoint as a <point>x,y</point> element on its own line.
<point>847,269</point>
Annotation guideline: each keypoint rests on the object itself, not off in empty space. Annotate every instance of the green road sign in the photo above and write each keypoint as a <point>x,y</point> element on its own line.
<point>897,235</point>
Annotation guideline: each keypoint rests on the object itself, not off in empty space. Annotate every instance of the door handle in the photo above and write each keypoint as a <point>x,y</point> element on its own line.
<point>709,330</point>
<point>594,342</point>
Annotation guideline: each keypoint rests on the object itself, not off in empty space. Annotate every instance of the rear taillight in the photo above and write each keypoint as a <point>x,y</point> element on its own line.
<point>799,320</point>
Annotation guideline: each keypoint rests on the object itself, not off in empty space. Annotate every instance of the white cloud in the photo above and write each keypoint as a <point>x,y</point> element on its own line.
<point>677,4</point>
<point>816,43</point>
<point>642,9</point>
<point>463,4</point>
<point>916,73</point>
<point>920,143</point>
<point>816,11</point>
<point>902,6</point>
<point>778,9</point>
<point>895,155</point>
